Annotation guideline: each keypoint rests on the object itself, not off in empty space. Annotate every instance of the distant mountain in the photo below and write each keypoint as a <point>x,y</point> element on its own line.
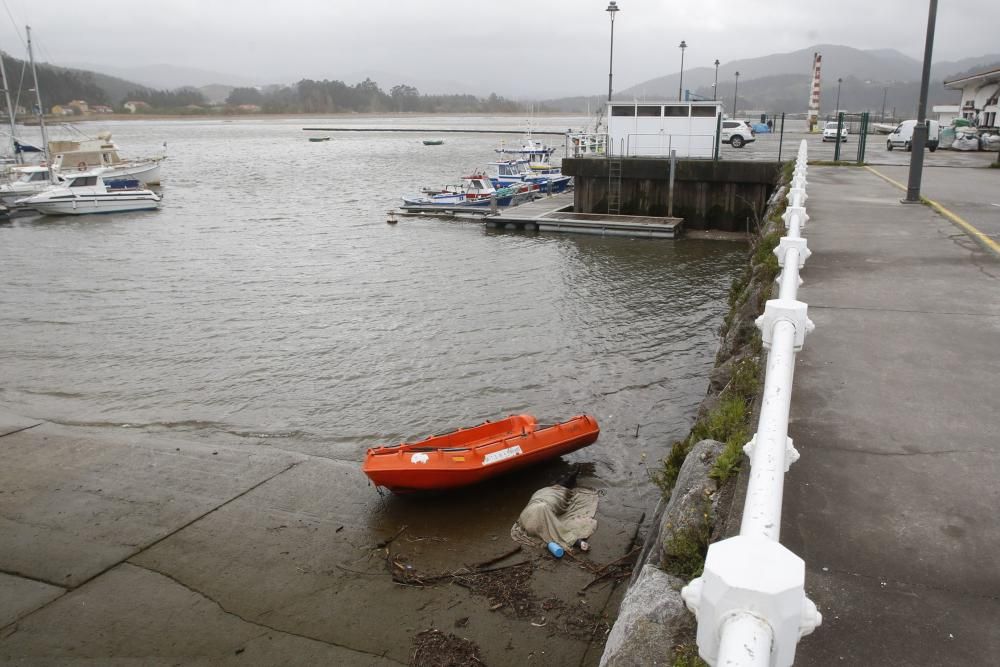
<point>166,77</point>
<point>964,67</point>
<point>781,81</point>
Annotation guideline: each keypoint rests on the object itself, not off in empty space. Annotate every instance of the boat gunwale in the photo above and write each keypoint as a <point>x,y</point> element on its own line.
<point>419,446</point>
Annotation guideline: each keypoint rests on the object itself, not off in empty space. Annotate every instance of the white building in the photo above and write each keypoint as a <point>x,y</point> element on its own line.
<point>946,113</point>
<point>979,97</point>
<point>656,128</point>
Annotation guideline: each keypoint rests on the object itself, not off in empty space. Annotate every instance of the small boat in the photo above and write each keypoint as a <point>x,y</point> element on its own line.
<point>317,139</point>
<point>433,142</point>
<point>883,128</point>
<point>26,181</point>
<point>72,156</point>
<point>546,177</point>
<point>93,192</point>
<point>471,455</point>
<point>476,190</point>
<point>530,148</point>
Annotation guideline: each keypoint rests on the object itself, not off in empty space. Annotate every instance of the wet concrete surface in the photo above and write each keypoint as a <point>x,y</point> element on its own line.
<point>972,194</point>
<point>893,503</point>
<point>168,551</point>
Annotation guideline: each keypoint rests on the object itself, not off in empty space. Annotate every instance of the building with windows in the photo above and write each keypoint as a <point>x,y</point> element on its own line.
<point>979,97</point>
<point>656,128</point>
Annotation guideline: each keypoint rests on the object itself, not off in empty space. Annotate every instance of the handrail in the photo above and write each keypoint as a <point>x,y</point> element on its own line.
<point>750,601</point>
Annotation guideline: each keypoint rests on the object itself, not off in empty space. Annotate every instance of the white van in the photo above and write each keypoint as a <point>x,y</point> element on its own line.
<point>902,136</point>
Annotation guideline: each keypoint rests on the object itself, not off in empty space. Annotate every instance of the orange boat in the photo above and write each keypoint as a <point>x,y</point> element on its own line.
<point>470,455</point>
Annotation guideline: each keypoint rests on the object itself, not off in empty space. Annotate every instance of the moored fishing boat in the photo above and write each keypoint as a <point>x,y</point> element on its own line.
<point>548,179</point>
<point>531,149</point>
<point>476,190</point>
<point>70,156</point>
<point>471,455</point>
<point>433,142</point>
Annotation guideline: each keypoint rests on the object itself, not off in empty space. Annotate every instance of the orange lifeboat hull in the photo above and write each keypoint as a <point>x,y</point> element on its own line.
<point>471,455</point>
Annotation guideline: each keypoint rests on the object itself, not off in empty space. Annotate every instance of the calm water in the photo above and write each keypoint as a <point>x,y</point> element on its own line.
<point>269,301</point>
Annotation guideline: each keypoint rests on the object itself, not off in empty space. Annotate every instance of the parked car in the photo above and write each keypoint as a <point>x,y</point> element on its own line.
<point>902,136</point>
<point>830,132</point>
<point>737,133</point>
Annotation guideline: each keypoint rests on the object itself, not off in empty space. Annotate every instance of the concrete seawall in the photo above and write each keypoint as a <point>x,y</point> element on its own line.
<point>720,195</point>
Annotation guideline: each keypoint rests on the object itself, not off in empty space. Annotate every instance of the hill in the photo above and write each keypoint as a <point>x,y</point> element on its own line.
<point>781,81</point>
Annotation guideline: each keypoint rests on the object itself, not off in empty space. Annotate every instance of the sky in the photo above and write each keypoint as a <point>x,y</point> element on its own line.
<point>519,48</point>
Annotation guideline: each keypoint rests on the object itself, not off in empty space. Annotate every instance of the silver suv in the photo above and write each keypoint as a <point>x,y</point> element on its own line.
<point>737,133</point>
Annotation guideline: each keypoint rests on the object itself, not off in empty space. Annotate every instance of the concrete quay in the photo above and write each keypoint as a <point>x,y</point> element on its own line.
<point>893,505</point>
<point>132,548</point>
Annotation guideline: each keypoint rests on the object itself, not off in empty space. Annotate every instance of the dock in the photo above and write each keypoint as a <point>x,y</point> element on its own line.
<point>555,214</point>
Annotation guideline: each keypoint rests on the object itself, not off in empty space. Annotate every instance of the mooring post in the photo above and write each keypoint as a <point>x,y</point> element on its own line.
<point>670,192</point>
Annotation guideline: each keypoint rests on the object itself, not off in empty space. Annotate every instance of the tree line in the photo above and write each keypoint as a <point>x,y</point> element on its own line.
<point>309,96</point>
<point>60,85</point>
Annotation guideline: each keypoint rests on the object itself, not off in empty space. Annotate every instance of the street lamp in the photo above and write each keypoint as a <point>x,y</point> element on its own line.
<point>920,130</point>
<point>715,86</point>
<point>885,93</point>
<point>837,109</point>
<point>680,86</point>
<point>611,10</point>
<point>736,90</point>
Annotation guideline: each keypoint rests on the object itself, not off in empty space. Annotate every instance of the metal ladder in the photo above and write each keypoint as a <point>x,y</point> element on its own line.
<point>614,185</point>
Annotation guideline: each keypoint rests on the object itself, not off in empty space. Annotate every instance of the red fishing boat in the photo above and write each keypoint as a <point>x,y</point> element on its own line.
<point>470,455</point>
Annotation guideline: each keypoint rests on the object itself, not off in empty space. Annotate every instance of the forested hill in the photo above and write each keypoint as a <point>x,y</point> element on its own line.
<point>59,85</point>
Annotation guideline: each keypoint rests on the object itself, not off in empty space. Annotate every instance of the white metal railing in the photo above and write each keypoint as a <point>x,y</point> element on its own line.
<point>750,601</point>
<point>582,144</point>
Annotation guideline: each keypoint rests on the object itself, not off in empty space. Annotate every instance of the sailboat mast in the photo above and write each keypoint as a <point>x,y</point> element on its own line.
<point>41,109</point>
<point>10,109</point>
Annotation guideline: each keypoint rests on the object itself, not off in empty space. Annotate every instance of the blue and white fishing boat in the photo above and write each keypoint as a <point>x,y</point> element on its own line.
<point>476,190</point>
<point>549,179</point>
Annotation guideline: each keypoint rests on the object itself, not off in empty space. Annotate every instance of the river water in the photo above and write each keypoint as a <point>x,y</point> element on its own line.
<point>268,301</point>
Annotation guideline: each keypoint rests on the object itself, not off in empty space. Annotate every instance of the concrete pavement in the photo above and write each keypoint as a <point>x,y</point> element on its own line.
<point>973,194</point>
<point>135,548</point>
<point>893,504</point>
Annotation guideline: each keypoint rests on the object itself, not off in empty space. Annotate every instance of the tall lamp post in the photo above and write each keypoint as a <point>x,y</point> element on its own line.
<point>837,109</point>
<point>680,86</point>
<point>715,86</point>
<point>611,10</point>
<point>735,91</point>
<point>920,131</point>
<point>885,93</point>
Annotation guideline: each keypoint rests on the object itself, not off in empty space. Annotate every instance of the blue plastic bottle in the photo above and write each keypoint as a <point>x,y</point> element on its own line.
<point>556,550</point>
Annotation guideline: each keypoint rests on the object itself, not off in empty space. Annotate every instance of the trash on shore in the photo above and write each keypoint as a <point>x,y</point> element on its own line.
<point>558,517</point>
<point>433,648</point>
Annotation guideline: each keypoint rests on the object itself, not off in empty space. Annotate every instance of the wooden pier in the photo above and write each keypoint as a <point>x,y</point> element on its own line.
<point>555,214</point>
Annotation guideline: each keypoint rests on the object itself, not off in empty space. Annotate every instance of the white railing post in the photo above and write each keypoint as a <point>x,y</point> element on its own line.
<point>750,601</point>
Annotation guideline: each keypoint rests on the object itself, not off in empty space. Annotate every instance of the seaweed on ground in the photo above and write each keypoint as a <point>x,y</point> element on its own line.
<point>433,648</point>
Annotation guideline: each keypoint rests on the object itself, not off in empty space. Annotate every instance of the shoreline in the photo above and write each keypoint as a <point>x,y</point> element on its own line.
<point>95,118</point>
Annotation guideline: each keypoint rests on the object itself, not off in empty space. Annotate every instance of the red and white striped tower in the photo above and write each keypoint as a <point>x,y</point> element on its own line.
<point>813,116</point>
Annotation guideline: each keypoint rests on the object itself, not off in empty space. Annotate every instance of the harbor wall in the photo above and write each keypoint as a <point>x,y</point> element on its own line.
<point>702,479</point>
<point>724,195</point>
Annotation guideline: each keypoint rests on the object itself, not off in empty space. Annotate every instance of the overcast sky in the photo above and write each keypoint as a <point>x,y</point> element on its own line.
<point>519,47</point>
